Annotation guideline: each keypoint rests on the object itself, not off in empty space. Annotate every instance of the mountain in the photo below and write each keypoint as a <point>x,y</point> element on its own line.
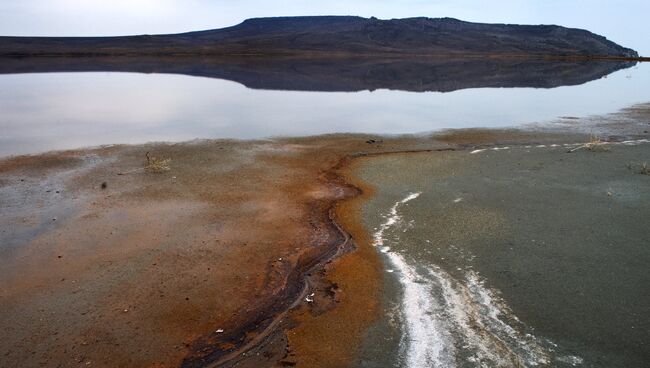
<point>416,74</point>
<point>338,36</point>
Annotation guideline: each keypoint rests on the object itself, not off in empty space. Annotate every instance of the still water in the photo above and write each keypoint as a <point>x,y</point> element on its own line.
<point>44,108</point>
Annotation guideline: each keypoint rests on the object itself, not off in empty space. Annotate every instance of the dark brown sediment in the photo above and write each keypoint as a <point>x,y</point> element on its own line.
<point>328,243</point>
<point>331,338</point>
<point>331,296</point>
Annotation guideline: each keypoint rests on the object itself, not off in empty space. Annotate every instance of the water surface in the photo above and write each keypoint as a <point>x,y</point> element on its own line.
<point>43,109</point>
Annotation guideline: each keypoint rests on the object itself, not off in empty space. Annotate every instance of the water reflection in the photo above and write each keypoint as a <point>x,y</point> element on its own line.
<point>56,110</point>
<point>343,74</point>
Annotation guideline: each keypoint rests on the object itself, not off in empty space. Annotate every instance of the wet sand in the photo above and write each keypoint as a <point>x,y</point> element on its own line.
<point>247,253</point>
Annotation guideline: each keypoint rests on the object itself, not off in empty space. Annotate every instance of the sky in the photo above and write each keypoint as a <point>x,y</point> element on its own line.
<point>624,22</point>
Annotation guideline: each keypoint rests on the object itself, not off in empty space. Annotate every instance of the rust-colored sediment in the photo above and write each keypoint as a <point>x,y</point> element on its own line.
<point>208,264</point>
<point>331,339</point>
<point>244,253</point>
<point>236,256</point>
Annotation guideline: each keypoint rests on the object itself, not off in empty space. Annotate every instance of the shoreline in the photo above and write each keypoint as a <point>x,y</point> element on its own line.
<point>332,56</point>
<point>289,207</point>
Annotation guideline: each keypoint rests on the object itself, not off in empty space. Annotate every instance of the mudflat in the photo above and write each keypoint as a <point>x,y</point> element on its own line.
<point>193,254</point>
<point>516,255</point>
<point>109,264</point>
<point>206,253</point>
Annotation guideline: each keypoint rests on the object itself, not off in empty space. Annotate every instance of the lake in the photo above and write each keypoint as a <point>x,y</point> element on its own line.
<point>54,104</point>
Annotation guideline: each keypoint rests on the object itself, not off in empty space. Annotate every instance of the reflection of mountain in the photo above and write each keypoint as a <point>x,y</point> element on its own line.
<point>342,74</point>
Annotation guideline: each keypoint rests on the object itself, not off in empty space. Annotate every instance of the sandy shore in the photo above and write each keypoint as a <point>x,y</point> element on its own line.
<point>247,253</point>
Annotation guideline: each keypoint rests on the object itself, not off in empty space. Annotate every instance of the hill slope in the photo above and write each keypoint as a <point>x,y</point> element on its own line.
<point>338,35</point>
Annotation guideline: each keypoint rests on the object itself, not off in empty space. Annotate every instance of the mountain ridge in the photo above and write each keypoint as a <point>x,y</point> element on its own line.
<point>338,35</point>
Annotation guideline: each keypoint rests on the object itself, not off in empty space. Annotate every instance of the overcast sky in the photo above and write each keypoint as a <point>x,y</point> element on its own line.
<point>624,22</point>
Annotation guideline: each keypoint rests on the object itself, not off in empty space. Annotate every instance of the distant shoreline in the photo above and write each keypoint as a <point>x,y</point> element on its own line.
<point>329,55</point>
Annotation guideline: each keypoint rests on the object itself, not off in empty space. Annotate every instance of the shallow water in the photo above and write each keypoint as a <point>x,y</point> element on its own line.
<point>54,111</point>
<point>490,263</point>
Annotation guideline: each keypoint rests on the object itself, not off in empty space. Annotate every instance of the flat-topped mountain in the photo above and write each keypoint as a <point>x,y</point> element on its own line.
<point>338,35</point>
